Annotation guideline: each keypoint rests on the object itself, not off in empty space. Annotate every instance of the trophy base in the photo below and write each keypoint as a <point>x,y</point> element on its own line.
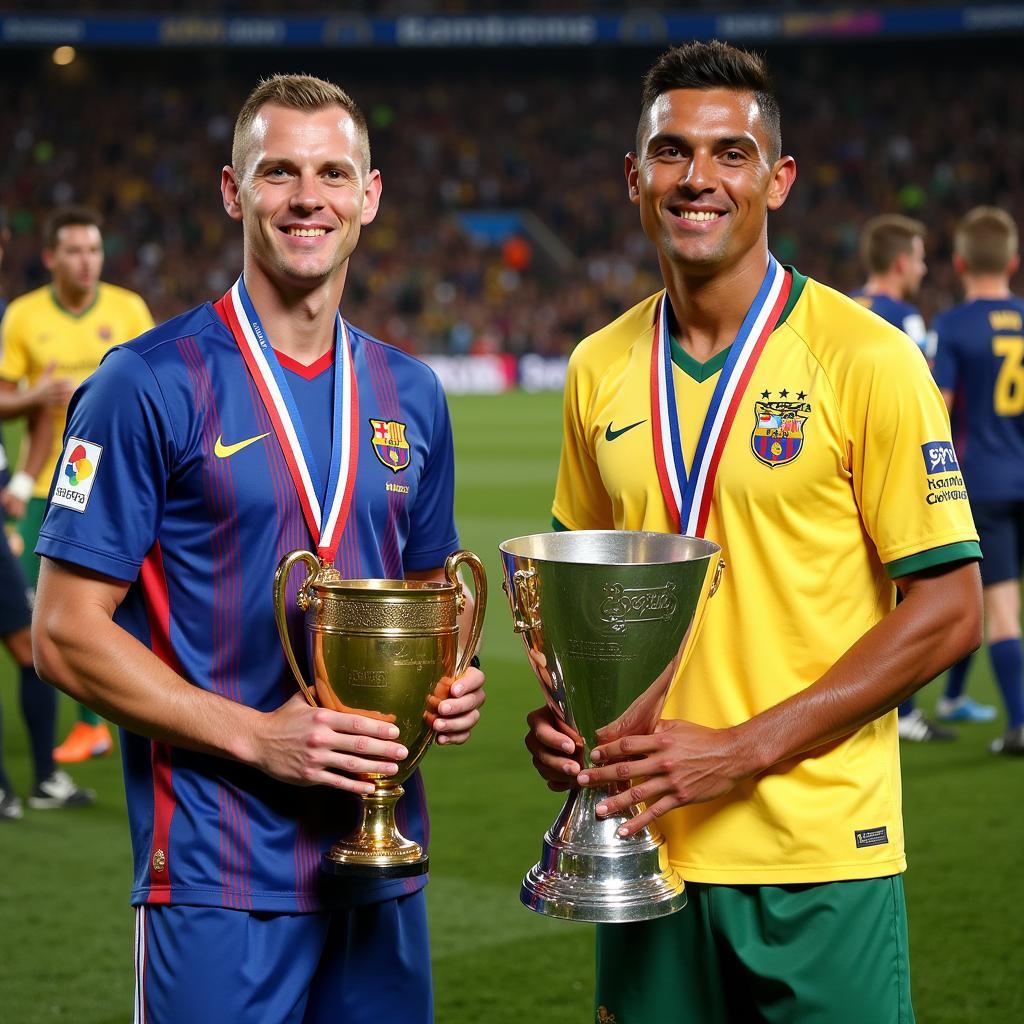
<point>364,867</point>
<point>589,900</point>
<point>376,849</point>
<point>588,873</point>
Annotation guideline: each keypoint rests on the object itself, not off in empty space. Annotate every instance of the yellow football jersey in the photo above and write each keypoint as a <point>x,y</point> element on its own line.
<point>838,476</point>
<point>37,331</point>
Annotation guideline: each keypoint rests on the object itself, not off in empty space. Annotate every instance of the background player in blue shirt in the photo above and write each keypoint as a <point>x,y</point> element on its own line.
<point>892,252</point>
<point>979,367</point>
<point>188,471</point>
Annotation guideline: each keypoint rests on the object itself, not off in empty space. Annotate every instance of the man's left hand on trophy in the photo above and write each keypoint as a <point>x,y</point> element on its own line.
<point>680,763</point>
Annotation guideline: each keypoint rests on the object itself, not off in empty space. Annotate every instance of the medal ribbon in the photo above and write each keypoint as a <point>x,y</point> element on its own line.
<point>272,385</point>
<point>688,496</point>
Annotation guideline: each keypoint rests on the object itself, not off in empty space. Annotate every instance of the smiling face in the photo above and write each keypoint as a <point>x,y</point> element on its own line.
<point>302,195</point>
<point>704,179</point>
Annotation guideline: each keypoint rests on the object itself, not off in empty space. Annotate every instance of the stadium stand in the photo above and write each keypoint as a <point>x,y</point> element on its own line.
<point>505,225</point>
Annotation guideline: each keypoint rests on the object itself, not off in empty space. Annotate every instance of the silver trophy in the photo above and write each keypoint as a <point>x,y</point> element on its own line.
<point>609,618</point>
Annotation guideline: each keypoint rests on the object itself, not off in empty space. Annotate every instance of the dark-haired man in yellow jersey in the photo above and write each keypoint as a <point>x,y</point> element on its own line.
<point>777,417</point>
<point>64,329</point>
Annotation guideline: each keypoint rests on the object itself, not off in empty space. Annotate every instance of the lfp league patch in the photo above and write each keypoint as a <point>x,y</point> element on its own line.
<point>939,457</point>
<point>76,473</point>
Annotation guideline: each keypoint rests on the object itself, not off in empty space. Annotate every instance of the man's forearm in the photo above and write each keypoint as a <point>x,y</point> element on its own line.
<point>94,660</point>
<point>40,443</point>
<point>682,763</point>
<point>937,623</point>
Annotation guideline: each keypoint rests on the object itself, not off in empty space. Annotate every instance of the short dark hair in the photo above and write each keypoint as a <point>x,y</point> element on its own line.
<point>986,240</point>
<point>884,238</point>
<point>69,216</point>
<point>714,65</point>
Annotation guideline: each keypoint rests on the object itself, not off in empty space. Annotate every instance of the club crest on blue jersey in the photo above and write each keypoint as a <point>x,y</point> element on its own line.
<point>389,443</point>
<point>939,457</point>
<point>778,434</point>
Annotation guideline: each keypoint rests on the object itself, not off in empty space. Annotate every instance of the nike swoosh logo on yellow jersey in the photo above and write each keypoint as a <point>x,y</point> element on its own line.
<point>610,435</point>
<point>225,451</point>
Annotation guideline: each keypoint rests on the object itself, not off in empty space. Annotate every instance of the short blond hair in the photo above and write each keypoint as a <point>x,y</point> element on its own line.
<point>296,92</point>
<point>885,237</point>
<point>986,240</point>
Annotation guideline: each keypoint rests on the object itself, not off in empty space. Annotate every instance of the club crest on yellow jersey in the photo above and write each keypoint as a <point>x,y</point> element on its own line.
<point>778,434</point>
<point>389,444</point>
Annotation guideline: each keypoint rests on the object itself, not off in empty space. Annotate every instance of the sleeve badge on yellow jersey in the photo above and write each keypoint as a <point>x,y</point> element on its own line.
<point>778,435</point>
<point>389,443</point>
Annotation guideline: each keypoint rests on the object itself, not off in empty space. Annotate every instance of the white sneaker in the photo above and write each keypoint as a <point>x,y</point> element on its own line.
<point>915,728</point>
<point>58,789</point>
<point>10,806</point>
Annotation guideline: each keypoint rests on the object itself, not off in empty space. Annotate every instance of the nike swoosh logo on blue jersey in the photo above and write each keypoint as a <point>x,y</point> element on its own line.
<point>225,451</point>
<point>610,435</point>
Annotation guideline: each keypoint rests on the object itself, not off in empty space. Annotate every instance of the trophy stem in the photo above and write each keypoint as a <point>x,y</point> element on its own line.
<point>376,849</point>
<point>589,873</point>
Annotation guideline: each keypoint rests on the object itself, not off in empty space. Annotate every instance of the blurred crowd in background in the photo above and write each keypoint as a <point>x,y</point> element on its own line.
<point>536,136</point>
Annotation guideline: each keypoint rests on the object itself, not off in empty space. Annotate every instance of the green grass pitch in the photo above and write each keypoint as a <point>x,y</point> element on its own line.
<point>66,929</point>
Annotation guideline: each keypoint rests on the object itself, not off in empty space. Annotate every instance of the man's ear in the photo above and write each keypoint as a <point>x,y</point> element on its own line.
<point>229,190</point>
<point>783,176</point>
<point>632,169</point>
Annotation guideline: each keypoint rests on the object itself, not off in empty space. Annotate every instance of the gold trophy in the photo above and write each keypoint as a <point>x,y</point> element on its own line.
<point>384,649</point>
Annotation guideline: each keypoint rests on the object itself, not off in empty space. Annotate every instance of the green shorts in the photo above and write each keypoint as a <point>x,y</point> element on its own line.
<point>831,953</point>
<point>29,528</point>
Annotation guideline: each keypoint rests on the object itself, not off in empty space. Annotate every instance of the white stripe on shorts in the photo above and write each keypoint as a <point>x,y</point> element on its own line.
<point>140,965</point>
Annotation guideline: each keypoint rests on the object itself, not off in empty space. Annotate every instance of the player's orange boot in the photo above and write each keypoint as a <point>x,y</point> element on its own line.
<point>84,741</point>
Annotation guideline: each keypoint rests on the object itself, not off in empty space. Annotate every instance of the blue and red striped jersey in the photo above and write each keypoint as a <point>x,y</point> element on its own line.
<point>980,358</point>
<point>172,480</point>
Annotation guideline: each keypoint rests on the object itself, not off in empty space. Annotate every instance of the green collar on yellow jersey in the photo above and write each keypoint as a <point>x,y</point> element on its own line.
<point>67,312</point>
<point>702,371</point>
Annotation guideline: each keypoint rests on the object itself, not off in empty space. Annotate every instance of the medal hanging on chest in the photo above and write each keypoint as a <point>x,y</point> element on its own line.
<point>688,495</point>
<point>326,524</point>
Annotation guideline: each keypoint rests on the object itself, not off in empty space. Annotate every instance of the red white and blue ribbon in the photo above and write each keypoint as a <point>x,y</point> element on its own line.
<point>688,495</point>
<point>327,524</point>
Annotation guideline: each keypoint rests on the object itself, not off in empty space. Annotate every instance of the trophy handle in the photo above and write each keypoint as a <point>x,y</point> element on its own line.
<point>523,599</point>
<point>451,571</point>
<point>716,582</point>
<point>306,598</point>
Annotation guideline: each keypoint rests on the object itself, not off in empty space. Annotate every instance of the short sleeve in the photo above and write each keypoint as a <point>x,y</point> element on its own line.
<point>432,533</point>
<point>906,477</point>
<point>581,501</point>
<point>13,350</point>
<point>945,370</point>
<point>108,494</point>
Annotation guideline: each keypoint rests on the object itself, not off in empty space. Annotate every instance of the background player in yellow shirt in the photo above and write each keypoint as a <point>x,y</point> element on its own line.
<point>782,420</point>
<point>63,329</point>
<point>53,788</point>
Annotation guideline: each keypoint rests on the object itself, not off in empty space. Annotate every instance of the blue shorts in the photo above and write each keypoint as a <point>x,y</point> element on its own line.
<point>1001,530</point>
<point>15,613</point>
<point>210,965</point>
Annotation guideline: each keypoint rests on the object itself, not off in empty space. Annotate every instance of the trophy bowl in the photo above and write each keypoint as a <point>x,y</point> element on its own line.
<point>608,618</point>
<point>387,650</point>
